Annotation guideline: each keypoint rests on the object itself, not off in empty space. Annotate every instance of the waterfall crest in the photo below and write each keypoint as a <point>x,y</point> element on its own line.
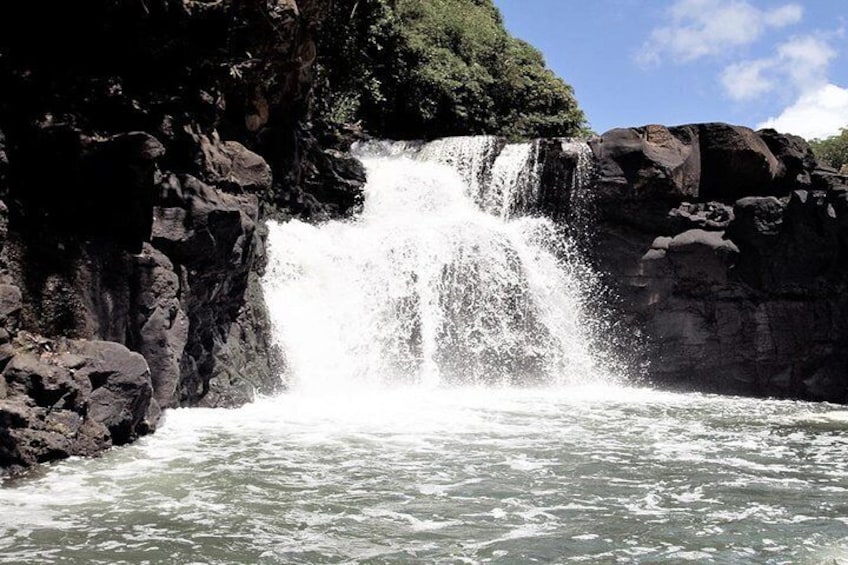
<point>441,279</point>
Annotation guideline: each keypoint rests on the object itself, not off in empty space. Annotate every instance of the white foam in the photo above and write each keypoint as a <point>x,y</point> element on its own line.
<point>426,288</point>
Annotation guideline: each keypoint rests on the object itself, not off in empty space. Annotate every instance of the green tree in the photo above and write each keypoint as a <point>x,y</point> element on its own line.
<point>432,68</point>
<point>832,150</point>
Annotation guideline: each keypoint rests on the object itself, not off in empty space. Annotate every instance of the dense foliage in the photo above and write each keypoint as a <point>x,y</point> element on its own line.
<point>431,68</point>
<point>833,150</point>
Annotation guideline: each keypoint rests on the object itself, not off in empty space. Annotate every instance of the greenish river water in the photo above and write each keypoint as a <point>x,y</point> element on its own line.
<point>591,474</point>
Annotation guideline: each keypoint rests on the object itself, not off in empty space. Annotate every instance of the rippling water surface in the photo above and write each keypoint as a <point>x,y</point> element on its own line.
<point>468,475</point>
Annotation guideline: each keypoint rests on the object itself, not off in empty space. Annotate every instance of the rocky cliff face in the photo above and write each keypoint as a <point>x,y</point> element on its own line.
<point>728,251</point>
<point>141,143</point>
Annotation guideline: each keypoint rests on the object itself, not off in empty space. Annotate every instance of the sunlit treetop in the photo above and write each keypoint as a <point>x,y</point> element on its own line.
<point>433,68</point>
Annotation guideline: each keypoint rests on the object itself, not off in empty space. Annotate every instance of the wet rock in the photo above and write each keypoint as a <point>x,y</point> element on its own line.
<point>121,387</point>
<point>161,325</point>
<point>63,398</point>
<point>828,382</point>
<point>47,385</point>
<point>216,242</point>
<point>335,180</point>
<point>703,215</point>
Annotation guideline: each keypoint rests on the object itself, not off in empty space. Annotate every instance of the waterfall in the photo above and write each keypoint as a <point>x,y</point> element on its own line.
<point>580,212</point>
<point>440,280</point>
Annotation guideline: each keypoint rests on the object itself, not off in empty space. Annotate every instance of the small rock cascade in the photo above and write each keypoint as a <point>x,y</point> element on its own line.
<point>473,157</point>
<point>543,177</point>
<point>577,180</point>
<point>514,180</point>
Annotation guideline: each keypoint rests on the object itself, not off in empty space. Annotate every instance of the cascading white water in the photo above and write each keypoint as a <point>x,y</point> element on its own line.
<point>580,209</point>
<point>425,287</point>
<point>501,178</point>
<point>515,179</point>
<point>471,157</point>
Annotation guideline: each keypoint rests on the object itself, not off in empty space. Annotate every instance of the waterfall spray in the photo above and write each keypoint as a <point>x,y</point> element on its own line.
<point>437,282</point>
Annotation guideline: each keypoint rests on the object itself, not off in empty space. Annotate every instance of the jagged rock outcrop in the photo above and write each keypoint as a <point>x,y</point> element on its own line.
<point>70,397</point>
<point>727,250</point>
<point>141,146</point>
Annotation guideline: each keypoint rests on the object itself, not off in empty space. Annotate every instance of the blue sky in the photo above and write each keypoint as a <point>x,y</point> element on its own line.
<point>760,63</point>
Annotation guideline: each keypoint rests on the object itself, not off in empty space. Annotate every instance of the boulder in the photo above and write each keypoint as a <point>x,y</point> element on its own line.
<point>702,215</point>
<point>160,325</point>
<point>795,156</point>
<point>648,162</point>
<point>121,388</point>
<point>46,384</point>
<point>63,398</point>
<point>735,162</point>
<point>31,435</point>
<point>230,166</point>
<point>693,252</point>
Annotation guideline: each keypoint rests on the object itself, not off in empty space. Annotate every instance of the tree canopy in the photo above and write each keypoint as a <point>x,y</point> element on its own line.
<point>833,150</point>
<point>432,68</point>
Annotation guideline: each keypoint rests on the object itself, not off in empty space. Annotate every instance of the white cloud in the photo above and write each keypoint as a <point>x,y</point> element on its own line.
<point>800,68</point>
<point>805,60</point>
<point>784,16</point>
<point>697,28</point>
<point>747,80</point>
<point>817,113</point>
<point>799,65</point>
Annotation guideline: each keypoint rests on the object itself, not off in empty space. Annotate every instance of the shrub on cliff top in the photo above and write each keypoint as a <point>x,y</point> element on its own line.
<point>431,68</point>
<point>833,150</point>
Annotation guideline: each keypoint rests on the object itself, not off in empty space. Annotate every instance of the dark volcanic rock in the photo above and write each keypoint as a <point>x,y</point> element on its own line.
<point>704,215</point>
<point>742,288</point>
<point>652,162</point>
<point>230,166</point>
<point>735,162</point>
<point>797,161</point>
<point>11,302</point>
<point>121,388</point>
<point>63,398</point>
<point>47,385</point>
<point>137,160</point>
<point>160,327</point>
<point>215,239</point>
<point>68,182</point>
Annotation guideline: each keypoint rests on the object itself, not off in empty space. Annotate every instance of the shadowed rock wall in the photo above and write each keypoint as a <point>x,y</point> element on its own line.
<point>728,252</point>
<point>141,145</point>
